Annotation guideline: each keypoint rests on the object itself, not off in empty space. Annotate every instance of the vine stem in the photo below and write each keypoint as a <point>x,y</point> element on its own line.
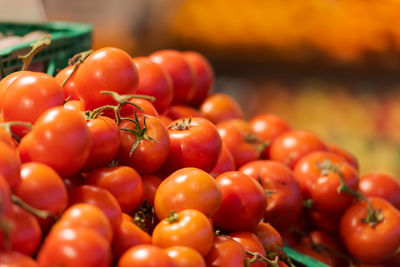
<point>76,61</point>
<point>257,257</point>
<point>36,47</point>
<point>43,214</point>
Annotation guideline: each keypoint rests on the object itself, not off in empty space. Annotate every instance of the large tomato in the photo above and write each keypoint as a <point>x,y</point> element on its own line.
<point>106,69</point>
<point>145,256</point>
<point>60,139</point>
<point>185,257</point>
<point>369,239</point>
<point>220,107</point>
<point>269,237</point>
<point>243,202</point>
<point>225,252</point>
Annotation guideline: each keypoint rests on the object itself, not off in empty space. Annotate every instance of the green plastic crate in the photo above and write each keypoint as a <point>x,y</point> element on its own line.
<point>67,39</point>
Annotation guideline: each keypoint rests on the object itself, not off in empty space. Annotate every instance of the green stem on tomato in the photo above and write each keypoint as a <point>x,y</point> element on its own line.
<point>257,257</point>
<point>172,217</point>
<point>43,214</point>
<point>76,61</point>
<point>36,47</point>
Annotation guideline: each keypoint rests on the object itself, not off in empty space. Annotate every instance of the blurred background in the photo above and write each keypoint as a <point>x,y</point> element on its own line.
<point>330,66</point>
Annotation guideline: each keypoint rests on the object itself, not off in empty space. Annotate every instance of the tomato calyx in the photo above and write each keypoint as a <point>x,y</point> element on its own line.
<point>43,214</point>
<point>257,257</point>
<point>259,144</point>
<point>36,47</point>
<point>373,216</point>
<point>308,203</point>
<point>76,61</point>
<point>143,216</point>
<point>7,126</point>
<point>173,217</point>
<point>181,125</point>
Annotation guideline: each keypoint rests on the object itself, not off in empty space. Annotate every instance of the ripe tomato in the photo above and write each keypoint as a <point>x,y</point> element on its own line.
<point>194,142</point>
<point>243,202</point>
<point>325,221</point>
<point>73,247</point>
<point>146,106</point>
<point>15,259</point>
<point>105,142</point>
<point>251,243</point>
<point>283,192</point>
<point>152,142</point>
<point>28,96</point>
<point>106,69</point>
<point>6,138</point>
<point>225,252</point>
<point>381,185</point>
<point>73,181</point>
<point>189,228</point>
<point>154,81</point>
<point>128,235</point>
<point>5,197</point>
<point>185,257</point>
<point>220,107</point>
<point>123,182</point>
<point>290,146</point>
<point>268,127</point>
<point>177,112</point>
<point>145,256</point>
<point>203,76</point>
<point>350,158</point>
<point>10,164</point>
<point>69,87</point>
<point>269,237</point>
<point>187,188</point>
<point>181,74</point>
<point>100,198</point>
<point>60,139</point>
<point>378,242</point>
<point>150,185</point>
<point>75,105</point>
<point>6,81</point>
<point>225,162</point>
<point>165,120</point>
<point>85,216</point>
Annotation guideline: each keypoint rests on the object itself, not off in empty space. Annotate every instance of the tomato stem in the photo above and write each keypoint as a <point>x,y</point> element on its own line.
<point>76,61</point>
<point>258,143</point>
<point>36,47</point>
<point>142,214</point>
<point>181,125</point>
<point>43,214</point>
<point>122,98</point>
<point>172,217</point>
<point>257,257</point>
<point>308,203</point>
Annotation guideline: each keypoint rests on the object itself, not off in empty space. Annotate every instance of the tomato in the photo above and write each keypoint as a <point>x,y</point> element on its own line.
<point>10,164</point>
<point>185,257</point>
<point>106,69</point>
<point>269,237</point>
<point>307,170</point>
<point>28,96</point>
<point>350,158</point>
<point>381,185</point>
<point>73,181</point>
<point>165,120</point>
<point>126,217</point>
<point>75,105</point>
<point>189,228</point>
<point>154,81</point>
<point>290,146</point>
<point>73,247</point>
<point>60,139</point>
<point>38,179</point>
<point>194,142</point>
<point>181,74</point>
<point>85,216</point>
<point>145,256</point>
<point>283,192</point>
<point>5,197</point>
<point>378,242</point>
<point>150,185</point>
<point>177,112</point>
<point>100,198</point>
<point>225,252</point>
<point>326,221</point>
<point>146,106</point>
<point>105,142</point>
<point>225,162</point>
<point>267,127</point>
<point>16,259</point>
<point>126,236</point>
<point>6,138</point>
<point>187,188</point>
<point>123,182</point>
<point>6,81</point>
<point>251,243</point>
<point>203,76</point>
<point>152,148</point>
<point>243,202</point>
<point>220,107</point>
<point>69,87</point>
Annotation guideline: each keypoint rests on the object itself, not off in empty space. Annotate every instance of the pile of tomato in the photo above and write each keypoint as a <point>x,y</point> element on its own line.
<point>121,161</point>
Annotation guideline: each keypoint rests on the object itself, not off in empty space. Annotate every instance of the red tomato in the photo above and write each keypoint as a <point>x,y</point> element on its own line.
<point>75,105</point>
<point>60,139</point>
<point>6,81</point>
<point>106,69</point>
<point>203,76</point>
<point>195,142</point>
<point>350,158</point>
<point>152,148</point>
<point>221,107</point>
<point>16,259</point>
<point>28,96</point>
<point>10,164</point>
<point>146,106</point>
<point>177,112</point>
<point>181,74</point>
<point>123,182</point>
<point>185,257</point>
<point>242,199</point>
<point>73,181</point>
<point>5,197</point>
<point>105,142</point>
<point>69,87</point>
<point>269,237</point>
<point>290,146</point>
<point>378,242</point>
<point>326,221</point>
<point>189,228</point>
<point>6,138</point>
<point>165,120</point>
<point>100,198</point>
<point>126,236</point>
<point>268,127</point>
<point>381,185</point>
<point>150,185</point>
<point>145,256</point>
<point>250,242</point>
<point>284,194</point>
<point>225,162</point>
<point>154,81</point>
<point>225,252</point>
<point>85,216</point>
<point>187,188</point>
<point>75,247</point>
